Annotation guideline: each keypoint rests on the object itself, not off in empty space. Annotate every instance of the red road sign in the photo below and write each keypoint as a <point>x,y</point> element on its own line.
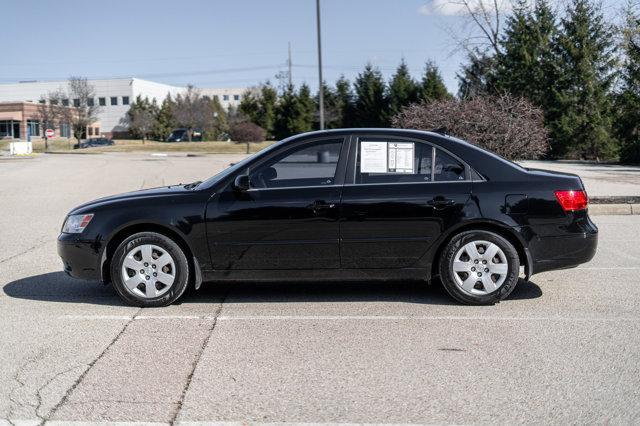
<point>49,133</point>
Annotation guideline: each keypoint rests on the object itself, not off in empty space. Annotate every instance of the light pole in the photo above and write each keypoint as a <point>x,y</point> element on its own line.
<point>320,89</point>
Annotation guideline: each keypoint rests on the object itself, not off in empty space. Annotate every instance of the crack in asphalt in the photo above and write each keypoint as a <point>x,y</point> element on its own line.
<point>196,361</point>
<point>77,382</point>
<point>26,251</point>
<point>17,378</point>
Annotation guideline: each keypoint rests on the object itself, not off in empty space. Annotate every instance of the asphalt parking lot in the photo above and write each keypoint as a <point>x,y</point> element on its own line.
<point>564,348</point>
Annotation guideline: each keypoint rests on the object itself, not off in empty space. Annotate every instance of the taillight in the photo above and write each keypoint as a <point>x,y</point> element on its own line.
<point>572,200</point>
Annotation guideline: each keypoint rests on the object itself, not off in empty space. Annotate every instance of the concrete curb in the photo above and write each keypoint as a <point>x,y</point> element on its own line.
<point>614,209</point>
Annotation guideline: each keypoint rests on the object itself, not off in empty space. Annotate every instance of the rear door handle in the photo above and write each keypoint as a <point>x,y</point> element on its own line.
<point>319,206</point>
<point>441,202</point>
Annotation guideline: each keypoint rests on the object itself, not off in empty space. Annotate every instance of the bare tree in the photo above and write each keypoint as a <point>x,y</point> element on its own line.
<point>511,127</point>
<point>192,111</point>
<point>49,114</point>
<point>85,109</point>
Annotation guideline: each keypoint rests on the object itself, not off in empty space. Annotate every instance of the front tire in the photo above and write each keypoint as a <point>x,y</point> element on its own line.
<point>479,267</point>
<point>149,270</point>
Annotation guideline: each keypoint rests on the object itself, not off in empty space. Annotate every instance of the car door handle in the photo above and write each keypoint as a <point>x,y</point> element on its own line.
<point>320,205</point>
<point>441,202</point>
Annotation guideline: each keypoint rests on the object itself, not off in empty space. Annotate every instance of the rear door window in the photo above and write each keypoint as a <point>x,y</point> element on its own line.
<point>388,160</point>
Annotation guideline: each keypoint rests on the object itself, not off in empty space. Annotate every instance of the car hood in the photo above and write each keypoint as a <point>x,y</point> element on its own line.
<point>143,193</point>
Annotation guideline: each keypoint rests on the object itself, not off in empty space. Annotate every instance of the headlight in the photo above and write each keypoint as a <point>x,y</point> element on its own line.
<point>76,223</point>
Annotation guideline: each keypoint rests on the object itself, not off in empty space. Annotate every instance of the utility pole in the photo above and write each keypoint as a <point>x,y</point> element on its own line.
<point>320,88</point>
<point>289,64</point>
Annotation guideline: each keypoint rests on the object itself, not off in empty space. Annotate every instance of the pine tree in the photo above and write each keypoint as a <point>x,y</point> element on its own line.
<point>220,121</point>
<point>142,117</point>
<point>522,66</point>
<point>332,111</point>
<point>293,112</point>
<point>371,104</point>
<point>580,117</point>
<point>259,107</point>
<point>627,123</point>
<point>477,76</point>
<point>403,90</point>
<point>345,107</point>
<point>165,123</point>
<point>432,87</point>
<point>307,109</point>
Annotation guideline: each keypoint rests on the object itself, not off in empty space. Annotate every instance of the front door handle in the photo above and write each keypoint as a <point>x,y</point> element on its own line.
<point>440,202</point>
<point>319,205</point>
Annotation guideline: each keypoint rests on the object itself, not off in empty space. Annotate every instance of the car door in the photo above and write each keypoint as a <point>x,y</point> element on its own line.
<point>399,195</point>
<point>288,218</point>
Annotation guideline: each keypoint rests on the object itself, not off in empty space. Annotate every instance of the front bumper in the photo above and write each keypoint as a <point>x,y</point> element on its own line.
<point>81,259</point>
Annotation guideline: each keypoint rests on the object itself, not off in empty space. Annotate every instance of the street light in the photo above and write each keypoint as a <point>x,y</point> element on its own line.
<point>320,90</point>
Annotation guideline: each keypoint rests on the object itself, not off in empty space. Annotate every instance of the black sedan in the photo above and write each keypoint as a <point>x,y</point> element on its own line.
<point>353,204</point>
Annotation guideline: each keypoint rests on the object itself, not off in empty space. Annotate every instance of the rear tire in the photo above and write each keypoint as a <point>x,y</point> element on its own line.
<point>149,270</point>
<point>479,267</point>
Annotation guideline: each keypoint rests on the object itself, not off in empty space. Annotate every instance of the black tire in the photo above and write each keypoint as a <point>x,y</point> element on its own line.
<point>181,269</point>
<point>447,274</point>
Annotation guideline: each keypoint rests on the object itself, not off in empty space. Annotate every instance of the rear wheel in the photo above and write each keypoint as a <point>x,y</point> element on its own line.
<point>479,267</point>
<point>149,269</point>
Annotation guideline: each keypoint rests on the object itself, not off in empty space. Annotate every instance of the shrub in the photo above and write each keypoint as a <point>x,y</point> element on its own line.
<point>247,132</point>
<point>510,127</point>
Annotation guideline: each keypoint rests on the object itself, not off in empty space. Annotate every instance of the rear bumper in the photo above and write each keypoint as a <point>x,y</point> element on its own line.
<point>564,251</point>
<point>80,258</point>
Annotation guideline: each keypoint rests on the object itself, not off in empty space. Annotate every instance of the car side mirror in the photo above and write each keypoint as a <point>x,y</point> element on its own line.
<point>242,183</point>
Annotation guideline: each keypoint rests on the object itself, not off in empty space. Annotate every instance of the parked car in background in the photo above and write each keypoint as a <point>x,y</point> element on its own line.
<point>341,205</point>
<point>93,142</point>
<point>182,135</point>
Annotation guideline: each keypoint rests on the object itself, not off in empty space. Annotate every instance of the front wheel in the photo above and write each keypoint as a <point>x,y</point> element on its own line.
<point>149,269</point>
<point>479,267</point>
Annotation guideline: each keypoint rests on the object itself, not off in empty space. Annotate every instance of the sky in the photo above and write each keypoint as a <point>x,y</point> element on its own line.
<point>227,43</point>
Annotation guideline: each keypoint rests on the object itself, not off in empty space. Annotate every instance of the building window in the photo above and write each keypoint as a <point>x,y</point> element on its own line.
<point>90,131</point>
<point>54,102</point>
<point>65,102</point>
<point>90,102</point>
<point>76,102</point>
<point>65,130</point>
<point>102,101</point>
<point>236,97</point>
<point>125,100</point>
<point>114,100</point>
<point>33,127</point>
<point>96,131</point>
<point>225,97</point>
<point>42,101</point>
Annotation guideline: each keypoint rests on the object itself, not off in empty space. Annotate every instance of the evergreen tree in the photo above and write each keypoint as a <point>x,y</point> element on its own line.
<point>477,76</point>
<point>345,107</point>
<point>307,109</point>
<point>371,104</point>
<point>331,113</point>
<point>580,117</point>
<point>523,64</point>
<point>627,123</point>
<point>259,107</point>
<point>403,90</point>
<point>220,121</point>
<point>433,87</point>
<point>141,117</point>
<point>293,112</point>
<point>164,123</point>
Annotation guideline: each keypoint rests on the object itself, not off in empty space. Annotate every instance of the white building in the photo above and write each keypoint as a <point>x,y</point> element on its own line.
<point>113,95</point>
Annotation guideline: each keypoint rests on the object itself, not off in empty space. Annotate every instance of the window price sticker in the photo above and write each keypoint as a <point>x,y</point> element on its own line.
<point>387,157</point>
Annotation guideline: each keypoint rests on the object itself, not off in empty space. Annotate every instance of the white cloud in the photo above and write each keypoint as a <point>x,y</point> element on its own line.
<point>457,7</point>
